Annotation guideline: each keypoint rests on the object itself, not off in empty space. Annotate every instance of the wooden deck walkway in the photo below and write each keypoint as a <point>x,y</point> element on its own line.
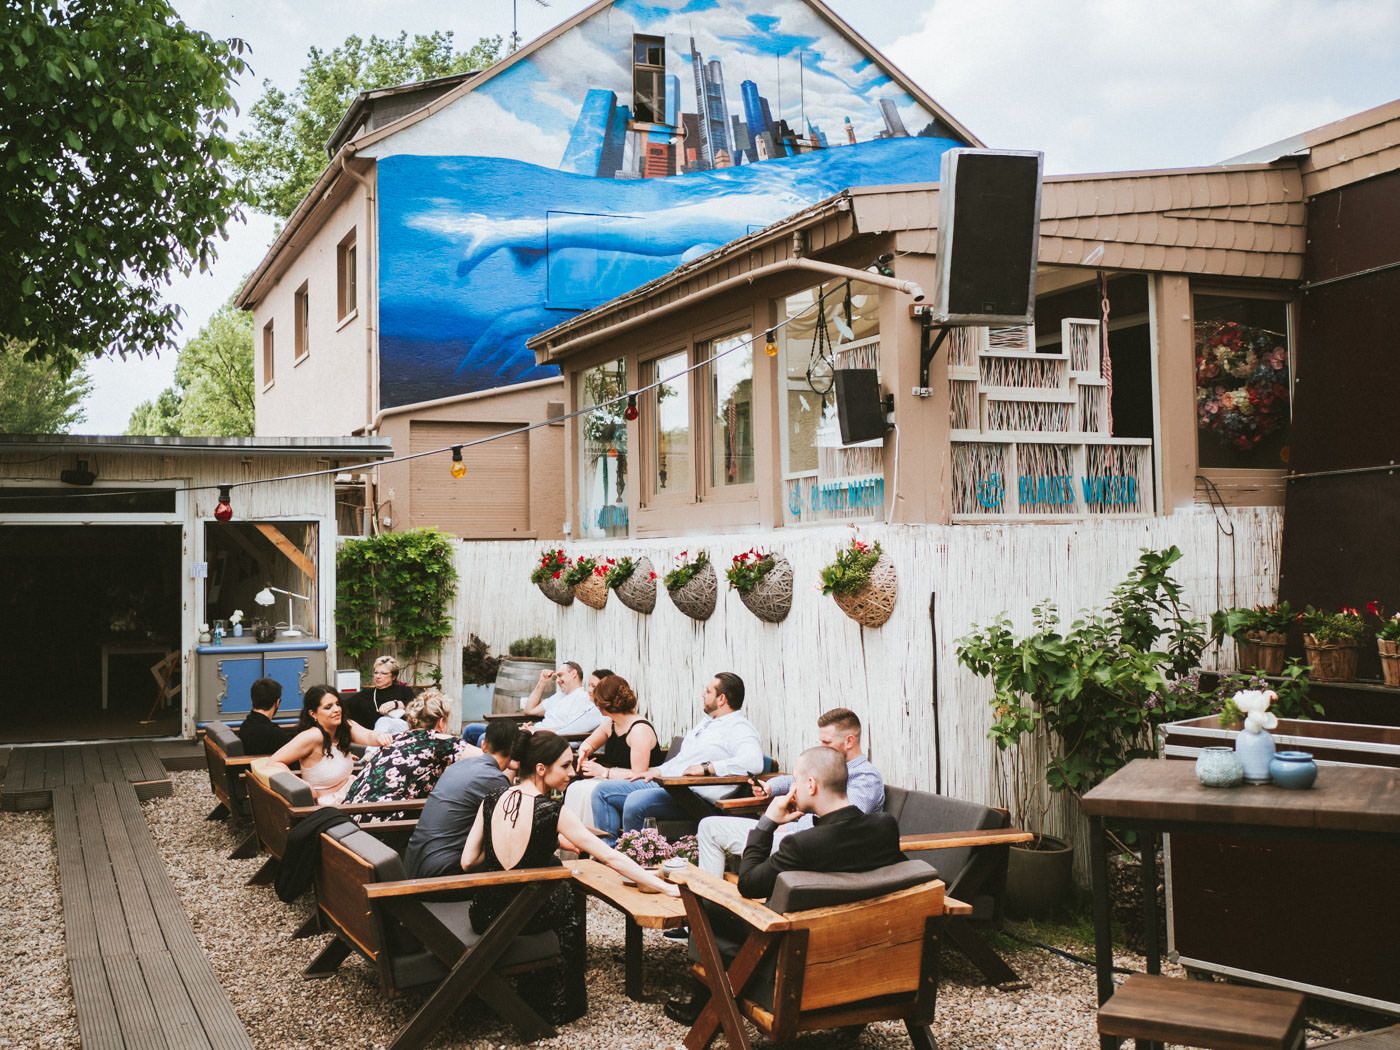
<point>140,979</point>
<point>34,772</point>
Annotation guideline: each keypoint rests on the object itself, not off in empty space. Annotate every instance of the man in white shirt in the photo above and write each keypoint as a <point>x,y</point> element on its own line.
<point>570,710</point>
<point>723,743</point>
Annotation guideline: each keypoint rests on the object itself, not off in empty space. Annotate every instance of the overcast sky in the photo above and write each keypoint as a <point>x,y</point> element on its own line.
<point>1099,85</point>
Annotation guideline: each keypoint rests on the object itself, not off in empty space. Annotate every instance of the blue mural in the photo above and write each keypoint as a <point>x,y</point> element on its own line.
<point>647,169</point>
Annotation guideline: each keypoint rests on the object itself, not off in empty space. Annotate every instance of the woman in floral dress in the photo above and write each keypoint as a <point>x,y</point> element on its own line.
<point>409,765</point>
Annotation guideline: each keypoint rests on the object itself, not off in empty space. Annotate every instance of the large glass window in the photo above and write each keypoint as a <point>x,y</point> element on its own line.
<point>731,410</point>
<point>1243,385</point>
<point>671,425</point>
<point>603,453</point>
<point>649,79</point>
<point>243,559</point>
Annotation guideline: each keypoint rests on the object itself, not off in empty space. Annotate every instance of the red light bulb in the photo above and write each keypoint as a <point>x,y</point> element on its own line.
<point>223,510</point>
<point>630,413</point>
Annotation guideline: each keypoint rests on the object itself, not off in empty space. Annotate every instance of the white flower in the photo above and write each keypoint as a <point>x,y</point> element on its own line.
<point>204,628</point>
<point>1254,705</point>
<point>237,616</point>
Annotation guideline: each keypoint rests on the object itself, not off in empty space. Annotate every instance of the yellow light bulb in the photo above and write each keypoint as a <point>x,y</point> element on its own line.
<point>459,466</point>
<point>771,347</point>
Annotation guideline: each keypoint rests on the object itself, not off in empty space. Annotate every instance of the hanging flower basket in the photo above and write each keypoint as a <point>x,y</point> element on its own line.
<point>1331,661</point>
<point>1261,651</point>
<point>548,575</point>
<point>764,583</point>
<point>586,577</point>
<point>863,583</point>
<point>693,586</point>
<point>556,591</point>
<point>634,580</point>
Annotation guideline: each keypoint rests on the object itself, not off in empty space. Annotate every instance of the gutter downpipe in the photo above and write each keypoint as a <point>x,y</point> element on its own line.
<point>371,322</point>
<point>578,342</point>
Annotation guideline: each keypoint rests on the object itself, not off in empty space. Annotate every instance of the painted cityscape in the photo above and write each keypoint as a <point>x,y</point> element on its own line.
<point>642,138</point>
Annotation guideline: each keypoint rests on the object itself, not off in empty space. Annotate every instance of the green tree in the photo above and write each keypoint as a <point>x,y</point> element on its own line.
<point>111,143</point>
<point>284,152</point>
<point>38,397</point>
<point>213,391</point>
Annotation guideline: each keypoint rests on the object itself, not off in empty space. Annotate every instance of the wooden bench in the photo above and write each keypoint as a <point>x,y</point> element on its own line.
<point>227,766</point>
<point>1153,1009</point>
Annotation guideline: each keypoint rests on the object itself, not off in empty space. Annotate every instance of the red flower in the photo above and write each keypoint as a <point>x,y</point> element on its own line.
<point>1373,607</point>
<point>557,574</point>
<point>653,575</point>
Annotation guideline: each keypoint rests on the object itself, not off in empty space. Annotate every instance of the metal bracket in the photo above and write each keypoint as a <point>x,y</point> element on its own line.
<point>927,350</point>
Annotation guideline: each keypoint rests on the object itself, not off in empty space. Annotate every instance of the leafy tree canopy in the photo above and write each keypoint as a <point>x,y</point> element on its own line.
<point>213,391</point>
<point>284,152</point>
<point>38,397</point>
<point>111,143</point>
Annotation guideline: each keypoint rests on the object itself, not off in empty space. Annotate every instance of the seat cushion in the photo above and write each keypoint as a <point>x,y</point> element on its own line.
<point>226,738</point>
<point>803,890</point>
<point>386,864</point>
<point>924,813</point>
<point>296,791</point>
<point>416,966</point>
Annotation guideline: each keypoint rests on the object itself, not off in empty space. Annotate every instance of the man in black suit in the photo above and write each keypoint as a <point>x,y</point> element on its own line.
<point>259,734</point>
<point>842,838</point>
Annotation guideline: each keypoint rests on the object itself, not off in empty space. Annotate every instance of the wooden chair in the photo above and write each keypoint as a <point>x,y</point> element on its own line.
<point>873,958</point>
<point>227,765</point>
<point>413,937</point>
<point>166,672</point>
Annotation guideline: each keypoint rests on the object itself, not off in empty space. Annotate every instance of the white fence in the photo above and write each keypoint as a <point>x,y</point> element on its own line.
<point>926,717</point>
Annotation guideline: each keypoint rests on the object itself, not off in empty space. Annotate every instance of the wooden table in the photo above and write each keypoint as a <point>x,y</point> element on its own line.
<point>651,911</point>
<point>1156,796</point>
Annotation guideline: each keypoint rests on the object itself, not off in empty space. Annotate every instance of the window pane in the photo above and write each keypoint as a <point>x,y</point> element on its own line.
<point>731,408</point>
<point>603,452</point>
<point>1242,382</point>
<point>672,425</point>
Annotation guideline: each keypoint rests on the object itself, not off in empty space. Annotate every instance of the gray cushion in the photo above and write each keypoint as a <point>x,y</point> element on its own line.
<point>417,966</point>
<point>387,865</point>
<point>802,890</point>
<point>226,738</point>
<point>296,791</point>
<point>924,813</point>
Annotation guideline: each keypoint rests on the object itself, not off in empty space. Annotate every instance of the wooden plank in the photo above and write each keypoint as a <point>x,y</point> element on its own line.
<point>92,764</point>
<point>1380,1039</point>
<point>135,1011</point>
<point>112,938</point>
<point>152,768</point>
<point>293,553</point>
<point>958,839</point>
<point>131,766</point>
<point>73,765</point>
<point>179,1021</point>
<point>1199,1013</point>
<point>53,767</point>
<point>111,764</point>
<point>141,922</point>
<point>36,770</point>
<point>98,1027</point>
<point>14,777</point>
<point>79,922</point>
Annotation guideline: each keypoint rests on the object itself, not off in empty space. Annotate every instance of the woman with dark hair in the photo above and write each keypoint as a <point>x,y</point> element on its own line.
<point>322,744</point>
<point>624,745</point>
<point>522,827</point>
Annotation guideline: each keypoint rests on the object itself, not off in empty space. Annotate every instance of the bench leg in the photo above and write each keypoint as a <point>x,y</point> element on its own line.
<point>219,812</point>
<point>327,961</point>
<point>632,961</point>
<point>962,936</point>
<point>921,1035</point>
<point>310,927</point>
<point>495,991</point>
<point>246,849</point>
<point>266,875</point>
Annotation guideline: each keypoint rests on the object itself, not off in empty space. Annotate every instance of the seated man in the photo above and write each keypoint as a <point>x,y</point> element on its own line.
<point>435,847</point>
<point>839,729</point>
<point>842,838</point>
<point>569,711</point>
<point>723,743</point>
<point>364,707</point>
<point>260,735</point>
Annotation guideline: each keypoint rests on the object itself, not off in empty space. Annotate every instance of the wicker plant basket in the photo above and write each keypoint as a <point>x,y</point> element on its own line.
<point>556,591</point>
<point>1261,652</point>
<point>638,591</point>
<point>771,598</point>
<point>1329,662</point>
<point>872,605</point>
<point>593,592</point>
<point>697,598</point>
<point>1390,661</point>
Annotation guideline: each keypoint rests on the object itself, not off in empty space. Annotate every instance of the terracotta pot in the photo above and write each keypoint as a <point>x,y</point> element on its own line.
<point>1331,661</point>
<point>1390,661</point>
<point>1261,652</point>
<point>593,592</point>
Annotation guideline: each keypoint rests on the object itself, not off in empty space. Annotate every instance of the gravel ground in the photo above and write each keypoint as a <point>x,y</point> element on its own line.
<point>247,931</point>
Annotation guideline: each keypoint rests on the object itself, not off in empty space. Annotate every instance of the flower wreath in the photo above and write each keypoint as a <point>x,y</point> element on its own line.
<point>1241,383</point>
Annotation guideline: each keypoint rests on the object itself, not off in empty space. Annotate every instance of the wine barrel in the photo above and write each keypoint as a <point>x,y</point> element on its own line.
<point>515,680</point>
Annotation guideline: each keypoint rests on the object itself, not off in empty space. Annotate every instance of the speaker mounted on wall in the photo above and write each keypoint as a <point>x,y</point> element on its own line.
<point>859,407</point>
<point>988,237</point>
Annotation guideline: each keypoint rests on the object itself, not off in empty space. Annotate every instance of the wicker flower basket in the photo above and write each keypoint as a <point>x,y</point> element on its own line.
<point>697,598</point>
<point>1329,661</point>
<point>556,591</point>
<point>1390,661</point>
<point>638,591</point>
<point>771,598</point>
<point>593,592</point>
<point>872,605</point>
<point>1261,652</point>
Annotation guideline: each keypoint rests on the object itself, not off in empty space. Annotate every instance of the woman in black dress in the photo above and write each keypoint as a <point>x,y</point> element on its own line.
<point>522,827</point>
<point>624,746</point>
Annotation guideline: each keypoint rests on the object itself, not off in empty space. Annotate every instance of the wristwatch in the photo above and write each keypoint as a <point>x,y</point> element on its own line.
<point>709,768</point>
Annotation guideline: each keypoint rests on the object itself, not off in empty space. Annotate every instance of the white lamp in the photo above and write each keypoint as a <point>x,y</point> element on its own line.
<point>264,597</point>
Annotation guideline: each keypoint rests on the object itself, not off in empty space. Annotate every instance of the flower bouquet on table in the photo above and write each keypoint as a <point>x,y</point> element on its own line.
<point>587,578</point>
<point>650,849</point>
<point>693,585</point>
<point>1331,640</point>
<point>548,576</point>
<point>1254,745</point>
<point>764,582</point>
<point>237,620</point>
<point>634,580</point>
<point>1387,641</point>
<point>862,582</point>
<point>1241,383</point>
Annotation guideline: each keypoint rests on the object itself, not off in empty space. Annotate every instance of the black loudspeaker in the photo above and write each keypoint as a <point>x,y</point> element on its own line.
<point>858,405</point>
<point>988,237</point>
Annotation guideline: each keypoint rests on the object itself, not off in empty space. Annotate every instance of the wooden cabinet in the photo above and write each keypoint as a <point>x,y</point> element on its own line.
<point>227,672</point>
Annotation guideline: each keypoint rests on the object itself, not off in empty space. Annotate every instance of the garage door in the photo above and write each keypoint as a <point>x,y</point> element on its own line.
<point>493,500</point>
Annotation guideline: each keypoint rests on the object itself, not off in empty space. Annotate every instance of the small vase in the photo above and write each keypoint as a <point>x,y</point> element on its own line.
<point>204,638</point>
<point>238,630</point>
<point>1293,769</point>
<point>1219,767</point>
<point>1254,751</point>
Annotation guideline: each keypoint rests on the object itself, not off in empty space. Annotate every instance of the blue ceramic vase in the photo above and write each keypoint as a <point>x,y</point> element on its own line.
<point>1219,767</point>
<point>1293,769</point>
<point>1255,750</point>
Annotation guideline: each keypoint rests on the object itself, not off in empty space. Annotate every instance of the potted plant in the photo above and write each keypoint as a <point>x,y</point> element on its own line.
<point>479,670</point>
<point>1388,642</point>
<point>585,576</point>
<point>1089,696</point>
<point>520,670</point>
<point>1290,689</point>
<point>693,585</point>
<point>764,582</point>
<point>862,582</point>
<point>548,576</point>
<point>1260,635</point>
<point>634,580</point>
<point>1331,640</point>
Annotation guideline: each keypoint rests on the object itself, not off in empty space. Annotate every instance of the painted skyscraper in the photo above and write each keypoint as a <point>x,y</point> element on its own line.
<point>704,149</point>
<point>894,124</point>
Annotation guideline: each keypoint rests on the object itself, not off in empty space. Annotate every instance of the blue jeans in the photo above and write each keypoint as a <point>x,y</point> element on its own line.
<point>622,805</point>
<point>473,732</point>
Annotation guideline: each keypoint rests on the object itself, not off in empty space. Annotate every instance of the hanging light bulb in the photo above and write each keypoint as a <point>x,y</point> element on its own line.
<point>612,452</point>
<point>459,467</point>
<point>771,346</point>
<point>223,510</point>
<point>630,413</point>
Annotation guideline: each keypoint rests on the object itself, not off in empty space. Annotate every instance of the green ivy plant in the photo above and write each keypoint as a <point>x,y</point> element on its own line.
<point>394,590</point>
<point>1094,691</point>
<point>685,569</point>
<point>851,569</point>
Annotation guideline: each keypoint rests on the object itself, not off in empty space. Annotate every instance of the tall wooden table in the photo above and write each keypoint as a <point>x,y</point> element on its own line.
<point>1156,796</point>
<point>652,911</point>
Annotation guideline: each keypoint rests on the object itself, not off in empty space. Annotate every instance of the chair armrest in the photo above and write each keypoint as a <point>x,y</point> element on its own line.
<point>958,839</point>
<point>737,778</point>
<point>369,808</point>
<point>953,906</point>
<point>467,881</point>
<point>510,716</point>
<point>740,805</point>
<point>727,896</point>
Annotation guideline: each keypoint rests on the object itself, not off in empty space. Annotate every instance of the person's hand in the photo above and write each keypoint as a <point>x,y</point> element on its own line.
<point>758,787</point>
<point>546,676</point>
<point>783,809</point>
<point>593,769</point>
<point>695,771</point>
<point>646,774</point>
<point>672,891</point>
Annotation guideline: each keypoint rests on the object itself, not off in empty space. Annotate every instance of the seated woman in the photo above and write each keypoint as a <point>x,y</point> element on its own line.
<point>322,744</point>
<point>625,743</point>
<point>410,764</point>
<point>522,827</point>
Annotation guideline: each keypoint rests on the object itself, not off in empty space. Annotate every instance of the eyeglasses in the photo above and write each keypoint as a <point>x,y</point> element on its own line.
<point>382,670</point>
